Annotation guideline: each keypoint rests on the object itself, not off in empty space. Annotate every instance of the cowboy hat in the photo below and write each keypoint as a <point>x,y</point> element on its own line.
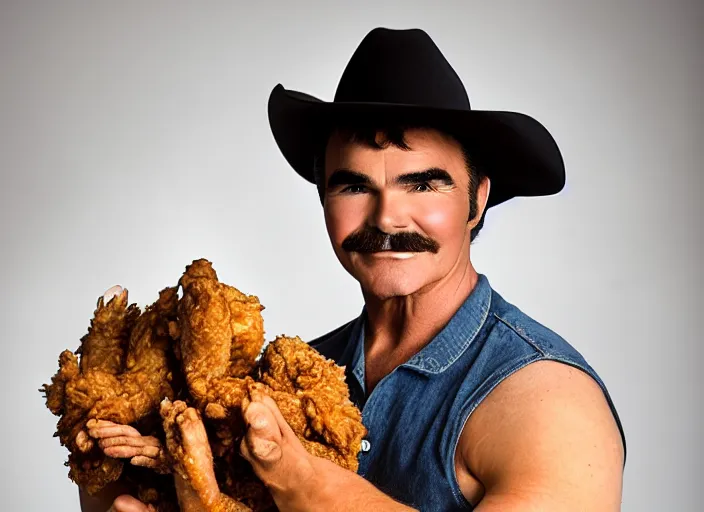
<point>401,76</point>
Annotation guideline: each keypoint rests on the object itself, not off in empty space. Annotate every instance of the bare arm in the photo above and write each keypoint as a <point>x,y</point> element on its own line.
<point>545,440</point>
<point>335,488</point>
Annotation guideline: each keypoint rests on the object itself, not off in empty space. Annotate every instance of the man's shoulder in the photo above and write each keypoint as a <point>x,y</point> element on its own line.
<point>557,358</point>
<point>521,326</point>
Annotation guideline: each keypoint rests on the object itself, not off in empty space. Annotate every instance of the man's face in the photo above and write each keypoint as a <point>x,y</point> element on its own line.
<point>397,218</point>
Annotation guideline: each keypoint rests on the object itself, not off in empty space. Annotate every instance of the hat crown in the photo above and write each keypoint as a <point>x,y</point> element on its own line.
<point>402,67</point>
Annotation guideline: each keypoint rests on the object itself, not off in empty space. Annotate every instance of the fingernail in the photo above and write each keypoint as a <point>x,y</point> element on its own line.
<point>259,422</point>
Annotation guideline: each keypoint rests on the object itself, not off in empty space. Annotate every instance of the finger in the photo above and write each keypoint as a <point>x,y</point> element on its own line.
<point>126,503</point>
<point>83,442</point>
<point>113,430</point>
<point>93,423</point>
<point>285,428</point>
<point>191,414</point>
<point>256,394</point>
<point>127,452</point>
<point>146,462</point>
<point>264,451</point>
<point>263,437</point>
<point>256,453</point>
<point>129,441</point>
<point>260,419</point>
<point>262,458</point>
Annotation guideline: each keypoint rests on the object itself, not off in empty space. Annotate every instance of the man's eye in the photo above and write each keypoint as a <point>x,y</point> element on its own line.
<point>422,187</point>
<point>353,189</point>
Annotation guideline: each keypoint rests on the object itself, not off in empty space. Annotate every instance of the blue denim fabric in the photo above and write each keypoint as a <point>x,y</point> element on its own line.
<point>416,413</point>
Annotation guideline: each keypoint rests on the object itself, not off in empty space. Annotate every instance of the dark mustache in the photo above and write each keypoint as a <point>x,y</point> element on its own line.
<point>375,240</point>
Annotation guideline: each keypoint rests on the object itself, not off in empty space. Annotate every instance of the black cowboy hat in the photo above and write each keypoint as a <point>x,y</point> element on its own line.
<point>401,76</point>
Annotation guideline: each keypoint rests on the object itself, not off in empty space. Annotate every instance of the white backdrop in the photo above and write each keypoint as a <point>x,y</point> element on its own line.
<point>134,139</point>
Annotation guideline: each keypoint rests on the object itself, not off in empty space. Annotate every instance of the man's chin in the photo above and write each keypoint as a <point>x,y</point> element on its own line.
<point>388,275</point>
<point>388,287</point>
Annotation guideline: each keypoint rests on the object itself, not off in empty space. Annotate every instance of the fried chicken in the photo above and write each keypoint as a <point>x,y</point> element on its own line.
<point>222,333</point>
<point>130,372</point>
<point>313,397</point>
<point>122,377</point>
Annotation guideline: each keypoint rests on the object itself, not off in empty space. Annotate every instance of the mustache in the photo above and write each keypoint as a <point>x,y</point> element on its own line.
<point>370,240</point>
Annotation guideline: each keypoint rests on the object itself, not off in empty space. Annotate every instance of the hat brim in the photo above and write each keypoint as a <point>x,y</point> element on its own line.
<point>516,151</point>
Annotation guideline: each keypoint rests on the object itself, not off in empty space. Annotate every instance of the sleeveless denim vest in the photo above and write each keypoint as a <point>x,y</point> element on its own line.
<point>415,414</point>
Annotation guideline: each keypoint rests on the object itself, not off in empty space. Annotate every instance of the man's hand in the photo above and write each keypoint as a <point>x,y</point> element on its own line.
<point>123,441</point>
<point>274,451</point>
<point>297,480</point>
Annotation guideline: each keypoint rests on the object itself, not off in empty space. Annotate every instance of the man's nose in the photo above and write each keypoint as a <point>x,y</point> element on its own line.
<point>390,213</point>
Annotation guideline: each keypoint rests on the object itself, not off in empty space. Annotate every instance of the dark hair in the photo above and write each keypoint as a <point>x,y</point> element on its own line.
<point>393,134</point>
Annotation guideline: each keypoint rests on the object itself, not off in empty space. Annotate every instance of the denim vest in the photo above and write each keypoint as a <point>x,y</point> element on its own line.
<point>415,414</point>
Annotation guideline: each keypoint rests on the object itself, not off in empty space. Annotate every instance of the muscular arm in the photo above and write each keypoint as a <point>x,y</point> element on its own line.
<point>545,440</point>
<point>335,488</point>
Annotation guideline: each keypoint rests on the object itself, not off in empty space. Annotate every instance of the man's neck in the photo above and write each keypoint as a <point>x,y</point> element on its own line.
<point>401,326</point>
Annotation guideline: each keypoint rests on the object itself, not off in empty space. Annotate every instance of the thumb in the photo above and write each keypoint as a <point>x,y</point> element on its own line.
<point>286,430</point>
<point>262,442</point>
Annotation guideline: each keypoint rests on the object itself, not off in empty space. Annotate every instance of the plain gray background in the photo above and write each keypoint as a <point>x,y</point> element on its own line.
<point>134,139</point>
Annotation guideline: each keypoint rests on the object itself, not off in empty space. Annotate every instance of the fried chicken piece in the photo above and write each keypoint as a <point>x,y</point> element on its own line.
<point>221,335</point>
<point>313,397</point>
<point>147,370</point>
<point>122,376</point>
<point>188,446</point>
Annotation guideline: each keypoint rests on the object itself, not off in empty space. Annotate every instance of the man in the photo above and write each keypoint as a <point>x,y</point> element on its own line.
<point>470,404</point>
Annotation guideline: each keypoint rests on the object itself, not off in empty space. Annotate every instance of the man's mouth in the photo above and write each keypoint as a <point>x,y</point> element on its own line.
<point>393,255</point>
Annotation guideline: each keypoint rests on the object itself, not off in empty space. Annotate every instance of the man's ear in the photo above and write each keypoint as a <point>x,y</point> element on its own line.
<point>482,198</point>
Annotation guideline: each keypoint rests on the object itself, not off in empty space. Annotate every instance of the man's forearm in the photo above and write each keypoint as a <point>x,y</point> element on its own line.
<point>337,489</point>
